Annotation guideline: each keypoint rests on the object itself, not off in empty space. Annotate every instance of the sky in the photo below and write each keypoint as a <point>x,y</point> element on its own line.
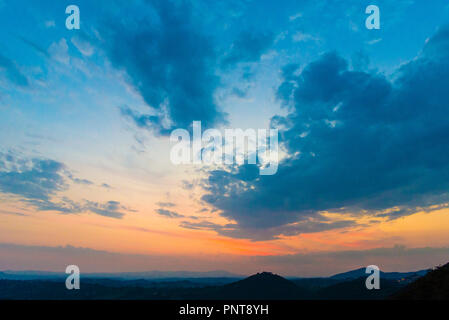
<point>86,116</point>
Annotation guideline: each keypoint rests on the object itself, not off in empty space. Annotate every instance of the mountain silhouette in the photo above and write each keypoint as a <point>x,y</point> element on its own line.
<point>360,273</point>
<point>356,290</point>
<point>261,286</point>
<point>433,286</point>
<point>265,285</point>
<point>147,275</point>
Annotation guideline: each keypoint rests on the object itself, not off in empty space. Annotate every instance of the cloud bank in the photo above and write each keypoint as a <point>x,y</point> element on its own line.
<point>356,142</point>
<point>396,258</point>
<point>37,182</point>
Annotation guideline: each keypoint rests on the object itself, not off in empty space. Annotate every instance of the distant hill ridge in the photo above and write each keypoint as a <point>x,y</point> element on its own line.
<point>31,274</point>
<point>261,286</point>
<point>433,286</point>
<point>359,273</point>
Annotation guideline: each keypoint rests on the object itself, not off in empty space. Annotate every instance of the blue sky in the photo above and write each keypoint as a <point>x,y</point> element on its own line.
<point>85,114</point>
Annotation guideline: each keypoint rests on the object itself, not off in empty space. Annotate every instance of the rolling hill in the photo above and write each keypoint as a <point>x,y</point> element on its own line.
<point>261,286</point>
<point>359,273</point>
<point>433,286</point>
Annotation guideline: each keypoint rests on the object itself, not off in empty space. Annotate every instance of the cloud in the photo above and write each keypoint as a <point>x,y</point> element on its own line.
<point>34,46</point>
<point>374,41</point>
<point>163,211</point>
<point>169,62</point>
<point>303,37</point>
<point>50,24</point>
<point>12,72</point>
<point>22,257</point>
<point>39,181</point>
<point>295,16</point>
<point>83,45</point>
<point>233,230</point>
<point>396,258</point>
<point>111,209</point>
<point>248,47</point>
<point>186,185</point>
<point>240,93</point>
<point>176,62</point>
<point>59,51</point>
<point>64,206</point>
<point>168,213</point>
<point>166,204</point>
<point>78,180</point>
<point>202,225</point>
<point>19,214</point>
<point>389,259</point>
<point>356,141</point>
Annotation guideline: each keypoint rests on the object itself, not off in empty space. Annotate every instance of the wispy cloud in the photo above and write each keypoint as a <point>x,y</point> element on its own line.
<point>166,204</point>
<point>37,182</point>
<point>304,37</point>
<point>12,72</point>
<point>13,213</point>
<point>169,213</point>
<point>295,16</point>
<point>374,41</point>
<point>50,24</point>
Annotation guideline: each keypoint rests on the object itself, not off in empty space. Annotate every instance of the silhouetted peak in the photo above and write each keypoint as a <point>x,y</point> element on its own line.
<point>264,285</point>
<point>265,274</point>
<point>433,286</point>
<point>264,281</point>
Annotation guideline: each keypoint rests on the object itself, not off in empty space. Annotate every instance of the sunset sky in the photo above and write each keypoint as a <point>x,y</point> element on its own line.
<point>86,116</point>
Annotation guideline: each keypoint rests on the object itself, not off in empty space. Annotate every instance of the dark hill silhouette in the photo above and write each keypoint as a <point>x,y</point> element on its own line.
<point>315,284</point>
<point>359,273</point>
<point>433,286</point>
<point>356,290</point>
<point>262,286</point>
<point>55,290</point>
<point>146,275</point>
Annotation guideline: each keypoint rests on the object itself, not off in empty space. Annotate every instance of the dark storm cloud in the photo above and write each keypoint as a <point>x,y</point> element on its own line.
<point>356,140</point>
<point>170,62</point>
<point>172,56</point>
<point>248,47</point>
